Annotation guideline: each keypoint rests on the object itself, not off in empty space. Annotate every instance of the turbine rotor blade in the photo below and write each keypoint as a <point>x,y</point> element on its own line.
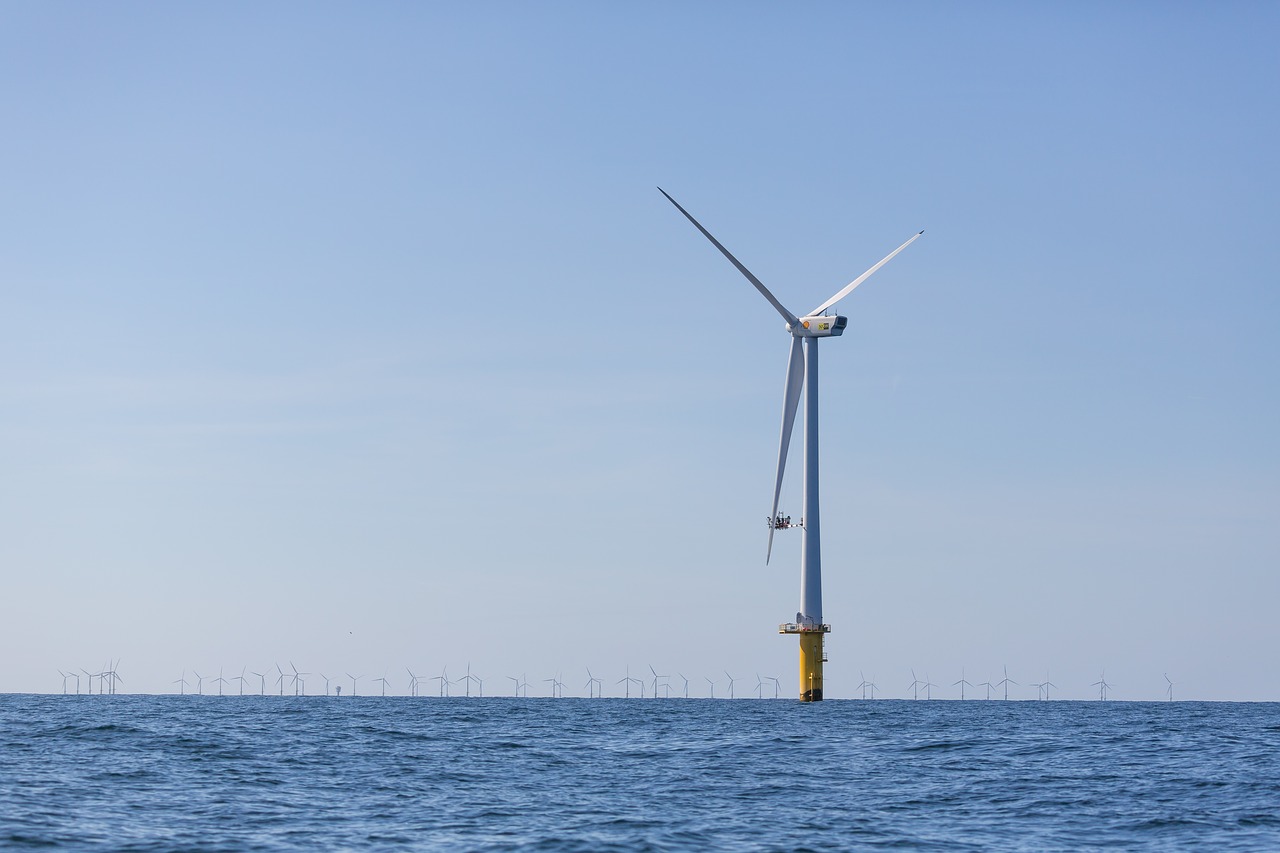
<point>790,403</point>
<point>764,291</point>
<point>848,288</point>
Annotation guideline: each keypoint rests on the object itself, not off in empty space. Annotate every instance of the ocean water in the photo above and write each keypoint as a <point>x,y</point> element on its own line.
<point>159,773</point>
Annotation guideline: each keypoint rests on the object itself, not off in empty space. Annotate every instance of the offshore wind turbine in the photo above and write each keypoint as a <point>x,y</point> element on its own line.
<point>112,676</point>
<point>802,373</point>
<point>656,676</point>
<point>298,682</point>
<point>1166,678</point>
<point>1006,681</point>
<point>962,683</point>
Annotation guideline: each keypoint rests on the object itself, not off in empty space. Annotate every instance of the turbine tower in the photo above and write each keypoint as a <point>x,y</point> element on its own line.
<point>802,373</point>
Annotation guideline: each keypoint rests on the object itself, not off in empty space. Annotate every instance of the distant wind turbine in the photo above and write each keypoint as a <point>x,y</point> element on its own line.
<point>1006,681</point>
<point>656,677</point>
<point>1170,691</point>
<point>299,685</point>
<point>962,684</point>
<point>262,691</point>
<point>594,686</point>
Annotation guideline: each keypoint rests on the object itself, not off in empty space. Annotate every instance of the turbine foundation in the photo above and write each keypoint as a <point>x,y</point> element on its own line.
<point>813,655</point>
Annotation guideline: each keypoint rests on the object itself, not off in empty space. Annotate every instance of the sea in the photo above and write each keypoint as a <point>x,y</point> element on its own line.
<point>232,773</point>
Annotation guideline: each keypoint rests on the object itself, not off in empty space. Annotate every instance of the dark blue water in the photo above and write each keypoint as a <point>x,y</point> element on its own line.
<point>313,773</point>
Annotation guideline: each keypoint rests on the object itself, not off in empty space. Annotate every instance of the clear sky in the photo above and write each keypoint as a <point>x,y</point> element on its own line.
<point>359,336</point>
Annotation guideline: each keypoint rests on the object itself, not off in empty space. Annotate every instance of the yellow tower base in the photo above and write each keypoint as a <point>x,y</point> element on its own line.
<point>812,656</point>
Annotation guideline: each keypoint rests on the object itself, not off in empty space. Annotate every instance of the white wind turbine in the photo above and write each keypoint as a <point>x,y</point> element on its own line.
<point>262,691</point>
<point>802,373</point>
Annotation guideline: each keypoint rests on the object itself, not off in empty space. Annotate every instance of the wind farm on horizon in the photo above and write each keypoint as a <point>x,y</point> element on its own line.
<point>285,682</point>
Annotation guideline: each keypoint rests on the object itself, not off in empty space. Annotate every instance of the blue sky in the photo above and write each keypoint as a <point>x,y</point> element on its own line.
<point>361,337</point>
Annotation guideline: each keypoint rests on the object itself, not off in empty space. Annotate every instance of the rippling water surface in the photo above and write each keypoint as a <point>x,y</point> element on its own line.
<point>271,773</point>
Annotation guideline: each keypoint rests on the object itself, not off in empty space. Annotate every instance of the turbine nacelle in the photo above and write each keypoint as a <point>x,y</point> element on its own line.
<point>818,326</point>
